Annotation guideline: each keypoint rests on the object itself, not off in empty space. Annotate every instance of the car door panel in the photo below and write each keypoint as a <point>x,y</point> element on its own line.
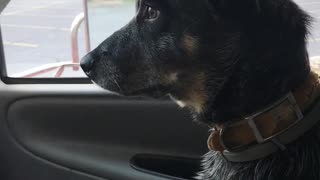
<point>82,129</point>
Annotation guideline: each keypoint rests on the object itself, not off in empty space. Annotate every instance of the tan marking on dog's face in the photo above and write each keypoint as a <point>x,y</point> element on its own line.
<point>190,44</point>
<point>173,77</point>
<point>195,96</point>
<point>170,78</point>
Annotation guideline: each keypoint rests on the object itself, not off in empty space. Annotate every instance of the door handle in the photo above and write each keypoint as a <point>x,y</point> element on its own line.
<point>175,168</point>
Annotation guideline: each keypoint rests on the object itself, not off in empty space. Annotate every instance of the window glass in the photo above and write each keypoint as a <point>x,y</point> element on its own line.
<point>313,8</point>
<point>47,38</point>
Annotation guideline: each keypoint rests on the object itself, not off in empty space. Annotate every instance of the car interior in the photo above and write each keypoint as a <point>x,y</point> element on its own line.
<point>56,125</point>
<point>67,128</point>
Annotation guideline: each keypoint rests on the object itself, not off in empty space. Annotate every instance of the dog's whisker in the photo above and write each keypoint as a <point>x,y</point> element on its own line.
<point>115,81</point>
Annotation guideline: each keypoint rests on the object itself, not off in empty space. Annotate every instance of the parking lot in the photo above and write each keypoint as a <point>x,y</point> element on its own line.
<point>37,32</point>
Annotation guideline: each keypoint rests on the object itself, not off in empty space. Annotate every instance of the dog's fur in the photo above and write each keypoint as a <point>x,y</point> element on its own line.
<point>223,59</point>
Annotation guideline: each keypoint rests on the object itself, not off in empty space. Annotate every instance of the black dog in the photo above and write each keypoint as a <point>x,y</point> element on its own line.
<point>223,59</point>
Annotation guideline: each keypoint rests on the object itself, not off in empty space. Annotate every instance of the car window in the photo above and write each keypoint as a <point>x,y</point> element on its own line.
<point>313,8</point>
<point>46,39</point>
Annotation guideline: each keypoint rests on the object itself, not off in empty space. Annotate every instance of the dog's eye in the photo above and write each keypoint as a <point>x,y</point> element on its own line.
<point>152,13</point>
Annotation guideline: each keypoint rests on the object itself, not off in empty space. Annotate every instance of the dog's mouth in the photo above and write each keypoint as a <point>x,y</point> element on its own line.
<point>123,89</point>
<point>156,91</point>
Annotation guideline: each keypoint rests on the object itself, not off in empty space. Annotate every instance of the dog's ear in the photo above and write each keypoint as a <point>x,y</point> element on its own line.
<point>236,8</point>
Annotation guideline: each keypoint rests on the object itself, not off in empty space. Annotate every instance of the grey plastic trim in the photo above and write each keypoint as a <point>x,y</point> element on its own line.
<point>33,94</point>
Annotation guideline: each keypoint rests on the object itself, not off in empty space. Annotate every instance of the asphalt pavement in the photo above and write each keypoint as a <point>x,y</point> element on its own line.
<point>38,32</point>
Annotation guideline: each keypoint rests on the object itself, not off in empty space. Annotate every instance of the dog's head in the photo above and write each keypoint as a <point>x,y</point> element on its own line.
<point>188,49</point>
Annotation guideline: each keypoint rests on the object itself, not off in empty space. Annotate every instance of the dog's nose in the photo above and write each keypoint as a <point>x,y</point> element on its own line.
<point>87,64</point>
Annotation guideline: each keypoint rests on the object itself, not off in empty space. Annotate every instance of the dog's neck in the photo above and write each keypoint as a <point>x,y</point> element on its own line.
<point>299,159</point>
<point>252,87</point>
